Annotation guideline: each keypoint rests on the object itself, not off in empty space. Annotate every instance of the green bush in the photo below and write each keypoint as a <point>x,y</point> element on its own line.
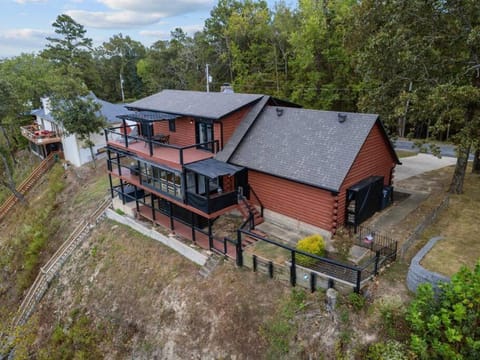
<point>445,325</point>
<point>313,244</point>
<point>392,350</point>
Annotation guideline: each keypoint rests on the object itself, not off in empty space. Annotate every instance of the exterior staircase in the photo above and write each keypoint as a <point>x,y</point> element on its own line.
<point>28,183</point>
<point>249,240</point>
<point>53,266</point>
<point>212,262</point>
<point>246,208</point>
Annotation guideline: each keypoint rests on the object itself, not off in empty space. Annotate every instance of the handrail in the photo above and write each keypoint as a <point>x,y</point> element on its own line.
<point>48,270</point>
<point>28,182</point>
<point>258,200</point>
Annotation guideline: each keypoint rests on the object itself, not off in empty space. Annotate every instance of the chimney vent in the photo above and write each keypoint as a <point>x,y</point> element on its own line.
<point>279,112</point>
<point>342,118</point>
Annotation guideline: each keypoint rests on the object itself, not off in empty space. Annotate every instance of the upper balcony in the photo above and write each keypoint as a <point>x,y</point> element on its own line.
<point>38,136</point>
<point>157,149</point>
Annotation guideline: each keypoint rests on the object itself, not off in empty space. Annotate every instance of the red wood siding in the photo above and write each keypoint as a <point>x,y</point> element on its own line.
<point>184,134</point>
<point>298,201</point>
<point>374,159</point>
<point>231,122</point>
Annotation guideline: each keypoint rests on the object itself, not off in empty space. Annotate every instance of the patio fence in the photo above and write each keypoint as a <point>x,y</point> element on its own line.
<point>324,272</point>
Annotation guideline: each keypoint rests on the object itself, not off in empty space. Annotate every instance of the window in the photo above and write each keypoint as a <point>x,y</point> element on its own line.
<point>163,181</point>
<point>204,134</point>
<point>171,125</point>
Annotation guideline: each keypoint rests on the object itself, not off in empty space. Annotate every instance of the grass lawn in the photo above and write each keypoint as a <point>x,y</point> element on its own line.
<point>459,224</point>
<point>405,153</point>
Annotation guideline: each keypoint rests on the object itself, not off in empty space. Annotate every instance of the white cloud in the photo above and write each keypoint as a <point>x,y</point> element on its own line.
<point>14,41</point>
<point>29,1</point>
<point>164,34</point>
<point>158,34</point>
<point>170,7</point>
<point>114,20</point>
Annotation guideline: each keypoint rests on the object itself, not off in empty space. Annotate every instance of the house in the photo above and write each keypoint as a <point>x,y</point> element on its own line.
<point>46,134</point>
<point>183,158</point>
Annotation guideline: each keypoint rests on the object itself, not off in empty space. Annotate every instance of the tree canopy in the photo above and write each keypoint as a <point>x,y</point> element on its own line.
<point>415,63</point>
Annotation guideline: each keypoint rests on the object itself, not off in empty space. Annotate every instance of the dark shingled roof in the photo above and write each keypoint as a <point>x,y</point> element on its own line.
<point>212,105</point>
<point>212,168</point>
<point>108,110</point>
<point>307,146</point>
<point>241,130</point>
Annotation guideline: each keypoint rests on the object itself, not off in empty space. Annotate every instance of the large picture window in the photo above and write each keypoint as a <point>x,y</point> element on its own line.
<point>161,180</point>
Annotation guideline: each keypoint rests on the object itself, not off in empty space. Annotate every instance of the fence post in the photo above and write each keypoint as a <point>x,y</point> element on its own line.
<point>359,279</point>
<point>225,245</point>
<point>239,249</point>
<point>293,271</point>
<point>254,260</point>
<point>313,281</point>
<point>377,258</point>
<point>270,269</point>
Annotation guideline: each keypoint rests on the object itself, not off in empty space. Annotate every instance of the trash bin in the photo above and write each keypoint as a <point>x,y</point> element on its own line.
<point>387,193</point>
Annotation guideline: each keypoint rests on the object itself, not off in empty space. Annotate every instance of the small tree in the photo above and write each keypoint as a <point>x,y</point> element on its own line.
<point>446,326</point>
<point>80,116</point>
<point>313,244</point>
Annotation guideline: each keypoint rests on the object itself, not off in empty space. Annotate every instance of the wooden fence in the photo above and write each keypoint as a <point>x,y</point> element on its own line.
<point>28,183</point>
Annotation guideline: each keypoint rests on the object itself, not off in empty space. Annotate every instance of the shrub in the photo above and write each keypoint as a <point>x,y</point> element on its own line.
<point>392,350</point>
<point>445,325</point>
<point>313,244</point>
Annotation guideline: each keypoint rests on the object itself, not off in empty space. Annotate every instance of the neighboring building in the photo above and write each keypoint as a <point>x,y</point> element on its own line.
<point>185,156</point>
<point>46,134</point>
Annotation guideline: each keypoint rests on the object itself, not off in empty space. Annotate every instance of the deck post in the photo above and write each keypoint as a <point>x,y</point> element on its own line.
<point>136,199</point>
<point>293,270</point>
<point>210,237</point>
<point>153,206</point>
<point>254,262</point>
<point>118,165</point>
<point>238,247</point>
<point>111,185</point>
<point>193,225</point>
<point>125,132</point>
<point>270,269</point>
<point>170,212</point>
<point>123,192</point>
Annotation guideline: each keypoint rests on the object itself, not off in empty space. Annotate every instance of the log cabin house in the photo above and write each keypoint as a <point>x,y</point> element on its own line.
<point>183,158</point>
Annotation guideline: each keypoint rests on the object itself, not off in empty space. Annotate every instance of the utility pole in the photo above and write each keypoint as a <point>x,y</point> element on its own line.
<point>121,88</point>
<point>208,78</point>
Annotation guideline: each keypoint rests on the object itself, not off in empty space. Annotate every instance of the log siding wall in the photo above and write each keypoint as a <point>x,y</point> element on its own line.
<point>374,159</point>
<point>320,207</point>
<point>298,201</point>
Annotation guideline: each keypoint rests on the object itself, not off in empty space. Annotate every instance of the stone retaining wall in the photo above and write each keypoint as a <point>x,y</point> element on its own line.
<point>417,274</point>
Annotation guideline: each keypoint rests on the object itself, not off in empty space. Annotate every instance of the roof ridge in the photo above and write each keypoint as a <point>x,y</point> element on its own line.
<point>241,130</point>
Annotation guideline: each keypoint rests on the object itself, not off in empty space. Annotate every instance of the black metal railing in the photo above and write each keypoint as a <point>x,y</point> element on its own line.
<point>126,140</point>
<point>212,203</point>
<point>376,241</point>
<point>257,199</point>
<point>334,270</point>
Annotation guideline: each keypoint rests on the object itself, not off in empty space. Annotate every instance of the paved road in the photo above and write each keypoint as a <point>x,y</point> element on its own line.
<point>415,165</point>
<point>445,149</point>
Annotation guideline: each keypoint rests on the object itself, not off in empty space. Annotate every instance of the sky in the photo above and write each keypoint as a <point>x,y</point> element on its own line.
<point>24,24</point>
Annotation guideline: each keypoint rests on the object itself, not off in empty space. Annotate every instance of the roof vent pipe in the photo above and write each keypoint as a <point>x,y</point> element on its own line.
<point>279,112</point>
<point>342,118</point>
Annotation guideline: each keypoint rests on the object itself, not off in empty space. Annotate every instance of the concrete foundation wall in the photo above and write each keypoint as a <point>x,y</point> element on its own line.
<point>170,241</point>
